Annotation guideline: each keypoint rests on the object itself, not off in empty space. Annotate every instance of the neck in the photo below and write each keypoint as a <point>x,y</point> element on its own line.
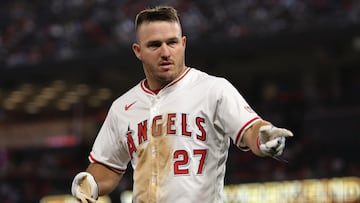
<point>152,88</point>
<point>157,85</point>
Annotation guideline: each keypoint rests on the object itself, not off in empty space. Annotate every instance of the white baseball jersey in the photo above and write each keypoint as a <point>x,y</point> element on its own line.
<point>177,140</point>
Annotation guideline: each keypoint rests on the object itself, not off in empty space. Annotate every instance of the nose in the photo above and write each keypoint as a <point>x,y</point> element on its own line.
<point>164,51</point>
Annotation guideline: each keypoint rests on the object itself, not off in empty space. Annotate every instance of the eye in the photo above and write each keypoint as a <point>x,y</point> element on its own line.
<point>154,44</point>
<point>172,42</point>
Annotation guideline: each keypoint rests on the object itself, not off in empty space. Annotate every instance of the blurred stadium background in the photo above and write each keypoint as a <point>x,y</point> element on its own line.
<point>62,63</point>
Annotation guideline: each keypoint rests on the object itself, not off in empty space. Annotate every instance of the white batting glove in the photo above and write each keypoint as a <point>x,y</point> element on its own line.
<point>84,188</point>
<point>271,140</point>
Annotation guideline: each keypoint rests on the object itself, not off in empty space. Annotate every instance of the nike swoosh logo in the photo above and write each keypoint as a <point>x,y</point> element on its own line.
<point>128,106</point>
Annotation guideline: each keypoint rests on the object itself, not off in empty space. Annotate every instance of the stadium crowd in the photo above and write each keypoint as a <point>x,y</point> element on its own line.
<point>33,32</point>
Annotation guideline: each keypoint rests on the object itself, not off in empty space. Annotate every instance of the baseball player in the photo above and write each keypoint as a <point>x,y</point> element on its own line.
<point>175,126</point>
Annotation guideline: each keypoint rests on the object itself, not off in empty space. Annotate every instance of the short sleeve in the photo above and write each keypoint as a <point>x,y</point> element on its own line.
<point>110,146</point>
<point>233,113</point>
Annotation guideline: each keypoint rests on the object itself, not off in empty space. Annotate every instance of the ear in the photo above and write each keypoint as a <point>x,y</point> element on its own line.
<point>136,50</point>
<point>184,41</point>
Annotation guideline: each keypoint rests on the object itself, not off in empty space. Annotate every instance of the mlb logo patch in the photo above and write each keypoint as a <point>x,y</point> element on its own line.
<point>249,109</point>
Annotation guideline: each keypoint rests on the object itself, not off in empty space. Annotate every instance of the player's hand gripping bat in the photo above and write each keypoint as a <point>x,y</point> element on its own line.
<point>84,188</point>
<point>271,141</point>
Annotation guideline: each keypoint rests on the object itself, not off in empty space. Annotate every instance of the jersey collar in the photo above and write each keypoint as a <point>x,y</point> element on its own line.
<point>145,88</point>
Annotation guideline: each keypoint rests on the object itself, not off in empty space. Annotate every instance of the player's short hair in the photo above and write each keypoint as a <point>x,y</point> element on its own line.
<point>159,13</point>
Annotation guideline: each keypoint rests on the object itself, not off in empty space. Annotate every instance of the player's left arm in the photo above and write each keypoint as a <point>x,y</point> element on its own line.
<point>264,139</point>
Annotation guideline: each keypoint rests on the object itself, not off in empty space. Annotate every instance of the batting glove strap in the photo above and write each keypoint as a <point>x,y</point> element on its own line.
<point>85,186</point>
<point>271,140</point>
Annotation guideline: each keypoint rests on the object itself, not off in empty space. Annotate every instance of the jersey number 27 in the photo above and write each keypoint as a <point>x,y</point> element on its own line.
<point>182,161</point>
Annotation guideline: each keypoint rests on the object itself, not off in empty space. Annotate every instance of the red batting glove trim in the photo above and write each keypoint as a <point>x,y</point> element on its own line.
<point>258,142</point>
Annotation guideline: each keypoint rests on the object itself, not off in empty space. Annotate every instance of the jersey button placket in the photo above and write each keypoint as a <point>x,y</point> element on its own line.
<point>154,111</point>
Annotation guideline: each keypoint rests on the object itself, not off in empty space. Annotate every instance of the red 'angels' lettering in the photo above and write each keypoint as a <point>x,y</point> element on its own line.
<point>142,131</point>
<point>174,126</point>
<point>130,143</point>
<point>184,125</point>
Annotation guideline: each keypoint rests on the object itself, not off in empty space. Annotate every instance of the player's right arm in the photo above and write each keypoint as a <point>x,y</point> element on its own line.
<point>98,180</point>
<point>106,178</point>
<point>107,164</point>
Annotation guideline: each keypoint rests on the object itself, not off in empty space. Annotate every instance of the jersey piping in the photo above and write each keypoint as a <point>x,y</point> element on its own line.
<point>242,130</point>
<point>93,160</point>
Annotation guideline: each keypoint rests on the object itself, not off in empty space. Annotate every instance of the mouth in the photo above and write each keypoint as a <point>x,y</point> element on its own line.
<point>165,64</point>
